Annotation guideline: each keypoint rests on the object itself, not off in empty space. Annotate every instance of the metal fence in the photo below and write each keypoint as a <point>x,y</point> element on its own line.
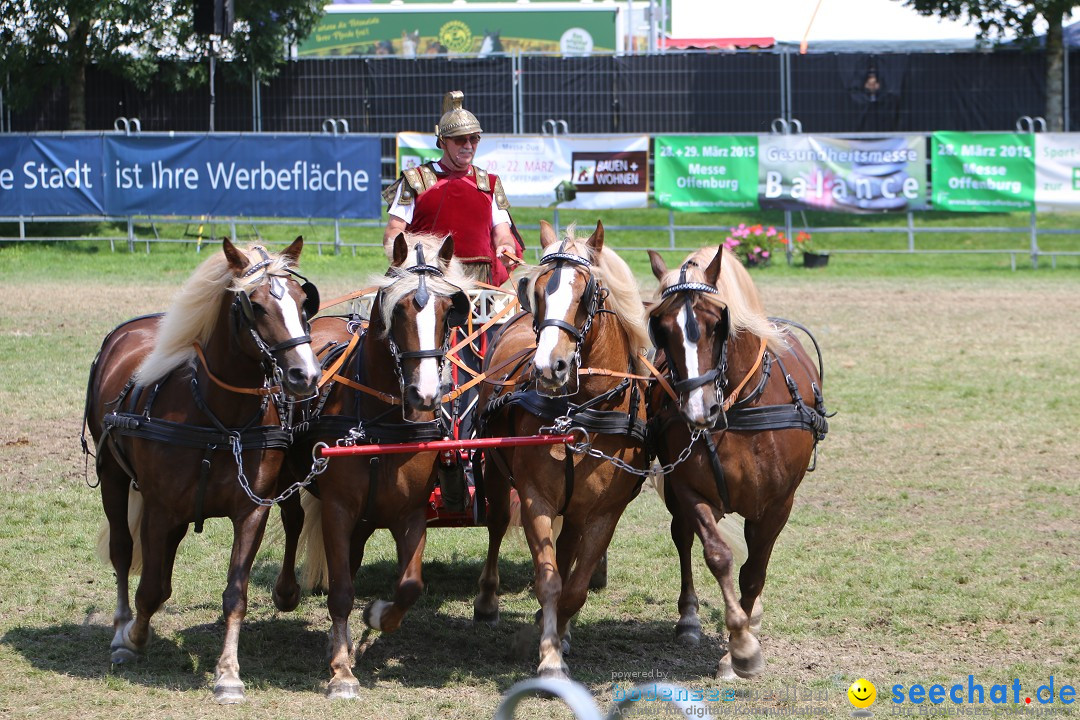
<point>670,93</point>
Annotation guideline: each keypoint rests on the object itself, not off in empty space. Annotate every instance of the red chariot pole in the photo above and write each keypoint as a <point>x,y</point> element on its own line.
<point>432,445</point>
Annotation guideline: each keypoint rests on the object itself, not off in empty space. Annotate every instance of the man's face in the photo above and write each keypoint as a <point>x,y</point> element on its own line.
<point>458,151</point>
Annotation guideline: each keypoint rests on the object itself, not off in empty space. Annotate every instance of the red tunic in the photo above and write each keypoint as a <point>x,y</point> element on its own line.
<point>456,206</point>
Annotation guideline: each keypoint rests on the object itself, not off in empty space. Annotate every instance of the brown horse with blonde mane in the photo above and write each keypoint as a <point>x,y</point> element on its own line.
<point>187,411</point>
<point>748,403</point>
<point>383,384</point>
<point>573,367</point>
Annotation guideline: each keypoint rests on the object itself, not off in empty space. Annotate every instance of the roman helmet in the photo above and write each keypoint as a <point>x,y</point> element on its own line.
<point>456,120</point>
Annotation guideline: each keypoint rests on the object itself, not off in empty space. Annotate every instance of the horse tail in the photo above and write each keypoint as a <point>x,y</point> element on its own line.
<point>315,575</point>
<point>731,527</point>
<point>134,522</point>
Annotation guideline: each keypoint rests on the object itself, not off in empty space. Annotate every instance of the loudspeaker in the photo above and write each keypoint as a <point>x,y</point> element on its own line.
<point>214,17</point>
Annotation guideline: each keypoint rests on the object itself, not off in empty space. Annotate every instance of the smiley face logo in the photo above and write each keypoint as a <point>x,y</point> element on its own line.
<point>862,693</point>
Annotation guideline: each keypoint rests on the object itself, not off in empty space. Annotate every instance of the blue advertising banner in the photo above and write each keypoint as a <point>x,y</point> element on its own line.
<point>51,176</point>
<point>307,176</point>
<point>253,175</point>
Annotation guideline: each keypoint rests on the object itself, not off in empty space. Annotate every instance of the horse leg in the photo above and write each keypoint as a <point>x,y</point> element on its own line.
<point>410,536</point>
<point>744,651</point>
<point>133,638</point>
<point>286,594</point>
<point>760,538</point>
<point>340,535</point>
<point>486,604</point>
<point>247,536</point>
<point>548,584</point>
<point>114,499</point>
<point>688,628</point>
<point>590,547</point>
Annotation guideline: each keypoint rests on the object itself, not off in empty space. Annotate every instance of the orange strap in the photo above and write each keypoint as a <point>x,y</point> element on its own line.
<point>389,399</point>
<point>734,396</point>
<point>483,328</point>
<point>346,298</point>
<point>660,379</point>
<point>331,372</point>
<point>484,376</point>
<point>227,386</point>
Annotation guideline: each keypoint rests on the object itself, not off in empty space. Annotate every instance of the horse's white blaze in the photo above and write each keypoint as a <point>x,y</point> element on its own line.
<point>556,307</point>
<point>695,408</point>
<point>427,380</point>
<point>295,327</point>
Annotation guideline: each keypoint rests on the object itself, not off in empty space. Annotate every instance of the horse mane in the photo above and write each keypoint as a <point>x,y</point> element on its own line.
<point>398,282</point>
<point>624,298</point>
<point>194,311</point>
<point>736,290</point>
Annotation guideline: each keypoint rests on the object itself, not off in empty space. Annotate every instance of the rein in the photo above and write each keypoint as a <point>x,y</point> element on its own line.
<point>263,391</point>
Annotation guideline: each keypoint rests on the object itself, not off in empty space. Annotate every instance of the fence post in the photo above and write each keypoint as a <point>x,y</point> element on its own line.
<point>131,235</point>
<point>337,236</point>
<point>671,228</point>
<point>910,231</point>
<point>789,250</point>
<point>1034,242</point>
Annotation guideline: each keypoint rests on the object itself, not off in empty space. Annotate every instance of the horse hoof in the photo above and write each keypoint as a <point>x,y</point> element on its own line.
<point>724,671</point>
<point>565,646</point>
<point>343,690</point>
<point>750,667</point>
<point>123,656</point>
<point>554,673</point>
<point>689,635</point>
<point>230,694</point>
<point>286,602</point>
<point>487,618</point>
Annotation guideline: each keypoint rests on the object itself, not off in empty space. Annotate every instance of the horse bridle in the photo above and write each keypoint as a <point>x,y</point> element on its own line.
<point>243,310</point>
<point>458,315</point>
<point>718,374</point>
<point>593,297</point>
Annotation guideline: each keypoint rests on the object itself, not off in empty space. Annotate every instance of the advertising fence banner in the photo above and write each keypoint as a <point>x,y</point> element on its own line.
<point>1057,171</point>
<point>804,172</point>
<point>51,176</point>
<point>983,172</point>
<point>266,175</point>
<point>610,171</point>
<point>706,173</point>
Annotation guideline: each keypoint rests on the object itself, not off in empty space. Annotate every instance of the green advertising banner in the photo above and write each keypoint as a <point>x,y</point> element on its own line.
<point>461,31</point>
<point>985,172</point>
<point>706,173</point>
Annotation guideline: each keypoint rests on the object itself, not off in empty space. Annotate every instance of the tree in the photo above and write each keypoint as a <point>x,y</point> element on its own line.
<point>996,19</point>
<point>46,42</point>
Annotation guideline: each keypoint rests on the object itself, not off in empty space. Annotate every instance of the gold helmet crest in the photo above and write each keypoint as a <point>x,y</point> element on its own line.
<point>456,120</point>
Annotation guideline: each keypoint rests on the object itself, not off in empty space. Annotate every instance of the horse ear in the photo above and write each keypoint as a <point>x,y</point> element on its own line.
<point>446,252</point>
<point>547,234</point>
<point>712,273</point>
<point>659,267</point>
<point>293,251</point>
<point>596,240</point>
<point>401,250</point>
<point>237,260</point>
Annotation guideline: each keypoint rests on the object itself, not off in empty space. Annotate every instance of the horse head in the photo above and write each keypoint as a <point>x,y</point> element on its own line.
<point>563,295</point>
<point>415,312</point>
<point>690,324</point>
<point>271,310</point>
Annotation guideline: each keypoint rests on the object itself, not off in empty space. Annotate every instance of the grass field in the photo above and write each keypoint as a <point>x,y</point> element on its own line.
<point>937,539</point>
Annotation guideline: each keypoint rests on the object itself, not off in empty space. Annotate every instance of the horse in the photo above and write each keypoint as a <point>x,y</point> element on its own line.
<point>573,366</point>
<point>187,411</point>
<point>746,453</point>
<point>386,387</point>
